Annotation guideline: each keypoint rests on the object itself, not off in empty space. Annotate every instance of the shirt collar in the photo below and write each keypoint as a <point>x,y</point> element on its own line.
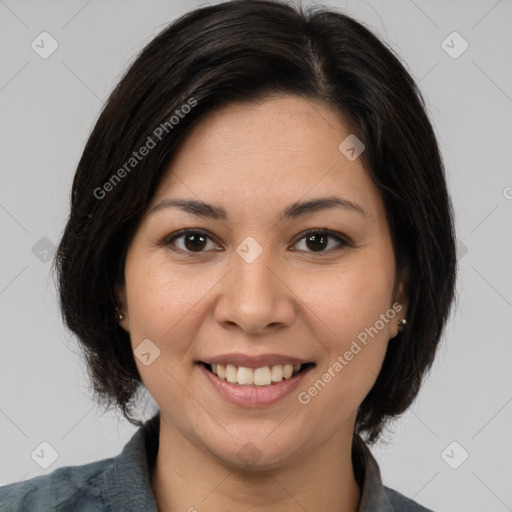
<point>128,481</point>
<point>373,493</point>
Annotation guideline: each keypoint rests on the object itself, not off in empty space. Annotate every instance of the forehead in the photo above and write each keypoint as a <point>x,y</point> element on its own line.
<point>268,153</point>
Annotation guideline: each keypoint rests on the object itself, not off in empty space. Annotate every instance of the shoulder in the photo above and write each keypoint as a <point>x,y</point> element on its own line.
<point>375,496</point>
<point>401,503</point>
<point>63,489</point>
<point>120,483</point>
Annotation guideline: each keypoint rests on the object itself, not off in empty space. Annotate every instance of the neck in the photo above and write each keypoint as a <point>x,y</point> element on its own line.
<point>187,477</point>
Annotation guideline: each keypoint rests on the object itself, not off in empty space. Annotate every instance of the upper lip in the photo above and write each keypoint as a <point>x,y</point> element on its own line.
<point>258,361</point>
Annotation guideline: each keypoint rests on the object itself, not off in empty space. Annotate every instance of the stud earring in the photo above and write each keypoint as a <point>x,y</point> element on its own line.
<point>402,324</point>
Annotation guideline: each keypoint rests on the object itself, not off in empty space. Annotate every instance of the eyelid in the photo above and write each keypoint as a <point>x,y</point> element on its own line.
<point>168,239</point>
<point>324,231</point>
<point>343,240</point>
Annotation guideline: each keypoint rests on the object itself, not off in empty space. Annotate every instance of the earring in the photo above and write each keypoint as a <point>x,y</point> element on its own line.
<point>120,315</point>
<point>402,324</point>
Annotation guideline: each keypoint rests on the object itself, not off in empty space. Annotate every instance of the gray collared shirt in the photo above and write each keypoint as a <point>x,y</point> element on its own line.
<point>123,483</point>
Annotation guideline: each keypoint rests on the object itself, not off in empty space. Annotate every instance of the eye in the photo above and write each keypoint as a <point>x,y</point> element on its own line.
<point>192,241</point>
<point>318,240</point>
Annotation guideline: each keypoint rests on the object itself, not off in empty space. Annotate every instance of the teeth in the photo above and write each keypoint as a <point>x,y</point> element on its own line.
<point>277,373</point>
<point>231,373</point>
<point>263,376</point>
<point>245,375</point>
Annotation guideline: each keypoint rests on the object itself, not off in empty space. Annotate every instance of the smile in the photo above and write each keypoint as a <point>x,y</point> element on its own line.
<point>262,376</point>
<point>257,386</point>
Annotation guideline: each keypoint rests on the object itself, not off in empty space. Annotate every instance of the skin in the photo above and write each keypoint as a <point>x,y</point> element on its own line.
<point>297,298</point>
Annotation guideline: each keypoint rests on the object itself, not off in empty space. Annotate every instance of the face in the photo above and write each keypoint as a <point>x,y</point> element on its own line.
<point>245,283</point>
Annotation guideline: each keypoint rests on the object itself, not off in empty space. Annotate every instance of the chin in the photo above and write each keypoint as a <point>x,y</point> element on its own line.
<point>257,449</point>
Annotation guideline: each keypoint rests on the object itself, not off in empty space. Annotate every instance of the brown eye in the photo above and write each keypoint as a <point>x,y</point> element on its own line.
<point>194,241</point>
<point>191,241</point>
<point>318,240</point>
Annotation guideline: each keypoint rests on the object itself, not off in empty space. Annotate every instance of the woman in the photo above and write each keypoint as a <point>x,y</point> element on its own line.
<point>261,236</point>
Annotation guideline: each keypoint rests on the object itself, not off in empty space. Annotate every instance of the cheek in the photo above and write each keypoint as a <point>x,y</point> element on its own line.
<point>350,301</point>
<point>352,321</point>
<point>354,341</point>
<point>160,301</point>
<point>161,308</point>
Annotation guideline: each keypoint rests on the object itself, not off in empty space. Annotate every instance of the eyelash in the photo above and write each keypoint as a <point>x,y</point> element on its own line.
<point>170,239</point>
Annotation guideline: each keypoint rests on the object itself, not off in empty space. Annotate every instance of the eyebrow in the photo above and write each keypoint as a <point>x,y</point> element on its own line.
<point>293,211</point>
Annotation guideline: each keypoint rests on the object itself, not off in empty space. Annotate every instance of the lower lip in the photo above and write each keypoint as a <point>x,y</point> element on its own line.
<point>254,396</point>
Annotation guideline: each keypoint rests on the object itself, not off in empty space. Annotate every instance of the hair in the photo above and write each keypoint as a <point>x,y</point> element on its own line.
<point>245,51</point>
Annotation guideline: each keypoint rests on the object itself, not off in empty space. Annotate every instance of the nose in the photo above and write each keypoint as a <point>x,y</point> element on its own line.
<point>255,297</point>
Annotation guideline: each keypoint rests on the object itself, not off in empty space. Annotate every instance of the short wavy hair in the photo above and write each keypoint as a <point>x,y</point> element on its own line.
<point>243,51</point>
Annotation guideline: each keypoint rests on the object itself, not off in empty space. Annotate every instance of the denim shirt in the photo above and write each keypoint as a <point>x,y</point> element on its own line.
<point>123,483</point>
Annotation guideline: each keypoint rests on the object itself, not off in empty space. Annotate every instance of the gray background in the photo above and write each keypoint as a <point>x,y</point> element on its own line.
<point>48,108</point>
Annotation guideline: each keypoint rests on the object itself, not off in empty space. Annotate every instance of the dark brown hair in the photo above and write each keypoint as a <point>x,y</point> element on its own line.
<point>241,51</point>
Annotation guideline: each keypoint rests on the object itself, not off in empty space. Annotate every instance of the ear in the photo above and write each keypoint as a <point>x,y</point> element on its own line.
<point>122,306</point>
<point>400,305</point>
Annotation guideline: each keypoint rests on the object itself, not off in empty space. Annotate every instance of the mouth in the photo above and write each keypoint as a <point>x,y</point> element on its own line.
<point>263,376</point>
